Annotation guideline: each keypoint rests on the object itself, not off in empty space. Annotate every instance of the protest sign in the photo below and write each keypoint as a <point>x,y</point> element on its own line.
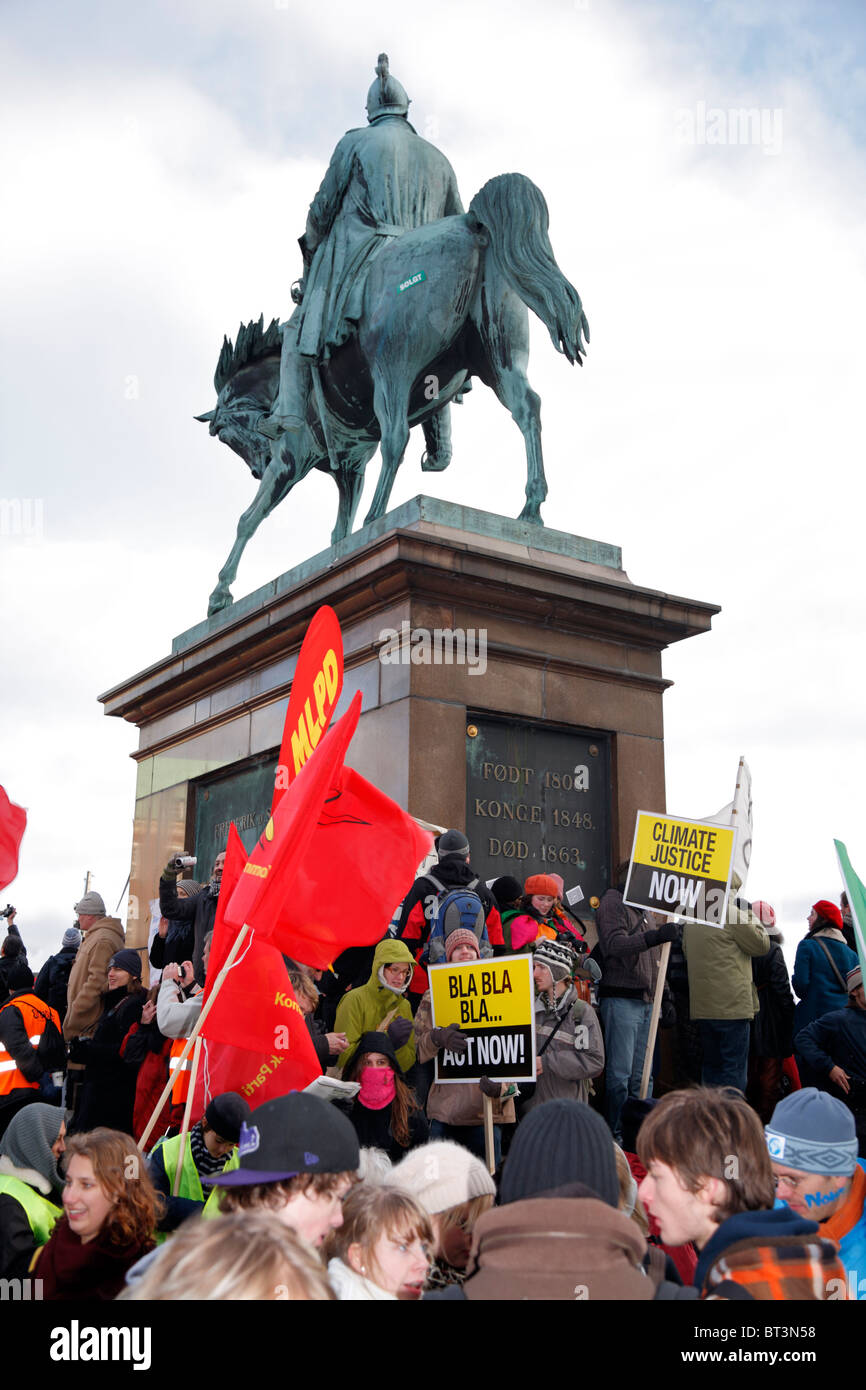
<point>491,1001</point>
<point>681,867</point>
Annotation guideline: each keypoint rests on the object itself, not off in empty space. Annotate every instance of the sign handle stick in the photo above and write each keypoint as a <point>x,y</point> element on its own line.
<point>654,1020</point>
<point>488,1133</point>
<point>190,1042</point>
<point>184,1129</point>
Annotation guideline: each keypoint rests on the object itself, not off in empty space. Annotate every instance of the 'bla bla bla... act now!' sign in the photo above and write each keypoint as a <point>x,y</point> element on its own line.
<point>492,1003</point>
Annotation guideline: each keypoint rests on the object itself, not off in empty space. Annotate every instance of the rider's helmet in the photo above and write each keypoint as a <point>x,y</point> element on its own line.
<point>386,97</point>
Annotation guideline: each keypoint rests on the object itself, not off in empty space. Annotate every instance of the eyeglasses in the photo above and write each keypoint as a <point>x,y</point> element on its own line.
<point>793,1181</point>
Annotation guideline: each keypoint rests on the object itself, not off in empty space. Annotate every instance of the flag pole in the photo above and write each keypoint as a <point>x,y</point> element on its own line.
<point>654,1020</point>
<point>191,1040</point>
<point>184,1129</point>
<point>488,1133</point>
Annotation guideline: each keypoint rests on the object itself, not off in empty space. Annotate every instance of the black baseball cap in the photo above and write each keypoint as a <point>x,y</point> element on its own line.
<point>293,1134</point>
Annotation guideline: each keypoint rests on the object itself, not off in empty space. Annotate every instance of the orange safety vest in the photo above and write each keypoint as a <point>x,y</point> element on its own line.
<point>180,1089</point>
<point>35,1014</point>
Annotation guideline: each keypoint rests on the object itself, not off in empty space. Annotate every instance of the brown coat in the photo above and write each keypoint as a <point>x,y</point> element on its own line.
<point>557,1248</point>
<point>458,1102</point>
<point>88,977</point>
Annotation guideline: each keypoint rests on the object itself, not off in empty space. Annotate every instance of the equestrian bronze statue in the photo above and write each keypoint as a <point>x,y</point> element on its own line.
<point>405,298</point>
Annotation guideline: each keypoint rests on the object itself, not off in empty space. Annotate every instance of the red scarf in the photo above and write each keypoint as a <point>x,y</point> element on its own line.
<point>70,1269</point>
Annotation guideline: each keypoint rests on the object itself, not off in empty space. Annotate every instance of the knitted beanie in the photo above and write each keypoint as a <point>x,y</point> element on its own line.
<point>506,890</point>
<point>127,960</point>
<point>453,842</point>
<point>764,913</point>
<point>560,1142</point>
<point>829,911</point>
<point>558,956</point>
<point>813,1132</point>
<point>71,937</point>
<point>91,905</point>
<point>461,936</point>
<point>441,1175</point>
<point>854,978</point>
<point>542,885</point>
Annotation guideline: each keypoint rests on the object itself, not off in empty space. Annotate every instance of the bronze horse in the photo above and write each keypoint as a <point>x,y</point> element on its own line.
<point>414,351</point>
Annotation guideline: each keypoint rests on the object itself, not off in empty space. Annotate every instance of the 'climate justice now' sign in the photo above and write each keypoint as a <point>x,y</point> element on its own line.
<point>491,1001</point>
<point>681,867</point>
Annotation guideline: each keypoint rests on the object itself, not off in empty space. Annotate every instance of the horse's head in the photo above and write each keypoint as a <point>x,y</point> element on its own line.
<point>246,381</point>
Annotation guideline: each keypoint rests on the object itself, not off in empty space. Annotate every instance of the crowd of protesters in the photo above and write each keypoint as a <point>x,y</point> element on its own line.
<point>746,1179</point>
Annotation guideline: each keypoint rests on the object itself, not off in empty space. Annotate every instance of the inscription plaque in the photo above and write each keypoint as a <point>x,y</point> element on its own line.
<point>243,795</point>
<point>538,801</point>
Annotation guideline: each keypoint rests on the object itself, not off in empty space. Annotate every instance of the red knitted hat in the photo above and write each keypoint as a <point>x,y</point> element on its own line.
<point>460,937</point>
<point>542,884</point>
<point>829,911</point>
<point>764,913</point>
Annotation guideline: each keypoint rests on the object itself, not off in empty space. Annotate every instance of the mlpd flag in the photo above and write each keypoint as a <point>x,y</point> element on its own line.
<point>13,819</point>
<point>340,854</point>
<point>315,693</point>
<point>255,1038</point>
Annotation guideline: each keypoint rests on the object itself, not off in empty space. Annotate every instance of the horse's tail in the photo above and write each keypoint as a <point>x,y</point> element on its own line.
<point>513,213</point>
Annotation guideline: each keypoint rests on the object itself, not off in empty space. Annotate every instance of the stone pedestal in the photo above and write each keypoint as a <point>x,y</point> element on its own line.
<point>512,686</point>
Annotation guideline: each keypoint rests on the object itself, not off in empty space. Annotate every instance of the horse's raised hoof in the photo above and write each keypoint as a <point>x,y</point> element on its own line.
<point>435,463</point>
<point>220,598</point>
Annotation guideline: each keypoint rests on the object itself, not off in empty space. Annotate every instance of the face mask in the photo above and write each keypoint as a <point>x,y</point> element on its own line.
<point>378,1087</point>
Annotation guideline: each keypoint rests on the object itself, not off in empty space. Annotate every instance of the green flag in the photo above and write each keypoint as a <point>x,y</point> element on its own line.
<point>856,901</point>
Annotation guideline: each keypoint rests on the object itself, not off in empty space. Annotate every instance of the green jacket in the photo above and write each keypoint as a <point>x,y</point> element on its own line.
<point>719,961</point>
<point>362,1009</point>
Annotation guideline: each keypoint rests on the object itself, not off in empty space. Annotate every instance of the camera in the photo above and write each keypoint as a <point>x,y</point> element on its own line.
<point>184,861</point>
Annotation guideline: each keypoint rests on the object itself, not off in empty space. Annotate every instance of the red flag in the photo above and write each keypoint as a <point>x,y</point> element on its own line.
<point>256,1040</point>
<point>315,692</point>
<point>266,876</point>
<point>359,864</point>
<point>332,863</point>
<point>13,819</point>
<point>256,1076</point>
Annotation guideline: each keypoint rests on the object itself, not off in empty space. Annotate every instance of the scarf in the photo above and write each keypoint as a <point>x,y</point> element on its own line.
<point>378,1087</point>
<point>205,1162</point>
<point>71,1270</point>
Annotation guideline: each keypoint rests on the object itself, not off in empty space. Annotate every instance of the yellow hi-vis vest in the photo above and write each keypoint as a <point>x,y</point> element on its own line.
<point>41,1214</point>
<point>211,1206</point>
<point>190,1182</point>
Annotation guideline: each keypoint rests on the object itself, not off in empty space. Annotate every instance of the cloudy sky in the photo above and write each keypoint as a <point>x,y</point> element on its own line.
<point>158,160</point>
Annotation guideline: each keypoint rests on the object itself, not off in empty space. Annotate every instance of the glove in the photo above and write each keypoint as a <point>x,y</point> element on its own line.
<point>667,932</point>
<point>399,1032</point>
<point>171,870</point>
<point>590,969</point>
<point>493,1089</point>
<point>78,1049</point>
<point>451,1038</point>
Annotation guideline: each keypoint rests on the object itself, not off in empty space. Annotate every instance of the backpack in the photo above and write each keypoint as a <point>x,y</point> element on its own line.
<point>51,1048</point>
<point>455,908</point>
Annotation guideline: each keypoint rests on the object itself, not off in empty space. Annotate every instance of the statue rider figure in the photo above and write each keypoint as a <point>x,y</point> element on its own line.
<point>382,180</point>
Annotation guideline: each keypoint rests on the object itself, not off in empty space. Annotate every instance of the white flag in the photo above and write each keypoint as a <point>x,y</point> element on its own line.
<point>739,813</point>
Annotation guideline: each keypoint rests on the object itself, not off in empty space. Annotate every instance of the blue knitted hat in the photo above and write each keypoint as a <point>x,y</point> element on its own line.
<point>813,1132</point>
